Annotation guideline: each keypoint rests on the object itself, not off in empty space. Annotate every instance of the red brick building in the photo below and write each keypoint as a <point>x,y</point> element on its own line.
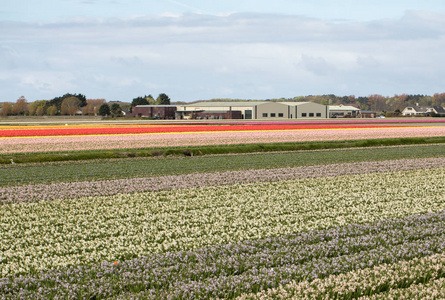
<point>164,112</point>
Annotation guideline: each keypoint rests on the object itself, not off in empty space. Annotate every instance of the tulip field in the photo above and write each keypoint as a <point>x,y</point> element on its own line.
<point>363,223</point>
<point>63,138</point>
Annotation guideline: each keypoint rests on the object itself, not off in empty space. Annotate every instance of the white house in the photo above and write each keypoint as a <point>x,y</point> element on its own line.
<point>422,110</point>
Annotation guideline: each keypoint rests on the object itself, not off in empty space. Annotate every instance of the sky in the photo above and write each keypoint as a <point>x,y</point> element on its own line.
<point>239,49</point>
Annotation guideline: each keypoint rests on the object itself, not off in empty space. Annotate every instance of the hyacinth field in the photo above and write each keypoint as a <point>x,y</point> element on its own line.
<point>364,223</point>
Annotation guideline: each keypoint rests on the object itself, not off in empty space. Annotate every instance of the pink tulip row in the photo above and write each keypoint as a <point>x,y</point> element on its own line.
<point>65,143</point>
<point>351,121</point>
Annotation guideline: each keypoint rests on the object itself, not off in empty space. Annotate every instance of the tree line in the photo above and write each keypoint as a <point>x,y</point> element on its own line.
<point>76,104</point>
<point>378,103</point>
<point>375,102</point>
<point>73,104</point>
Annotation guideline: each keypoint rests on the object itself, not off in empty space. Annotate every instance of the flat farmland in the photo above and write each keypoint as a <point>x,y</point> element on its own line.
<point>320,222</point>
<point>54,138</point>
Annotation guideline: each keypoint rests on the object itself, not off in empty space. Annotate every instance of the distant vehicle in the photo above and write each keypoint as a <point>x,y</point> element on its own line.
<point>381,117</point>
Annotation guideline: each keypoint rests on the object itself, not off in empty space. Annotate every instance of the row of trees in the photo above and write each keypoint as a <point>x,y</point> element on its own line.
<point>162,99</point>
<point>75,104</point>
<point>72,104</point>
<point>68,104</point>
<point>377,102</point>
<point>373,102</point>
<point>19,108</point>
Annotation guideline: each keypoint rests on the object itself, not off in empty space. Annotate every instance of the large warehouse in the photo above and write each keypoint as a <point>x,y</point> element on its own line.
<point>253,110</point>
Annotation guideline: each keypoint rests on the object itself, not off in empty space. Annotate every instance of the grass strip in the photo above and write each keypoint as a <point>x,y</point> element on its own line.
<point>207,150</point>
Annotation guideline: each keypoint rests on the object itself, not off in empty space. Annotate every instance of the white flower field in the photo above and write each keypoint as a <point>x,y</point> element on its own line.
<point>365,229</point>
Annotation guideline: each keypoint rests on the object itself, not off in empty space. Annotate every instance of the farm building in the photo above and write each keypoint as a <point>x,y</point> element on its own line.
<point>216,114</point>
<point>253,110</point>
<point>301,110</point>
<point>343,111</point>
<point>367,114</point>
<point>163,112</point>
<point>217,110</point>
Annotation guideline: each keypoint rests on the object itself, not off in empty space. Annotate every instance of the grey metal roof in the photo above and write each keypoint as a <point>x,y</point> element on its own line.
<point>343,107</point>
<point>228,103</point>
<point>420,109</point>
<point>296,103</point>
<point>156,105</point>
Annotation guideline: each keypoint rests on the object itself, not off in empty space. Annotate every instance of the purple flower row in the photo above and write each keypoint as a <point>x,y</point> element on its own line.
<point>73,190</point>
<point>243,267</point>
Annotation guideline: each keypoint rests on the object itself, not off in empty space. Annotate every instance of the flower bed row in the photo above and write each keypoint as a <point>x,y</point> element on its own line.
<point>93,170</point>
<point>73,190</point>
<point>351,121</point>
<point>425,280</point>
<point>52,234</point>
<point>75,143</point>
<point>308,264</point>
<point>169,129</point>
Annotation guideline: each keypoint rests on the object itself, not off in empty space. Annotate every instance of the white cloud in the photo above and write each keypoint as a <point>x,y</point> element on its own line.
<point>316,65</point>
<point>245,55</point>
<point>187,6</point>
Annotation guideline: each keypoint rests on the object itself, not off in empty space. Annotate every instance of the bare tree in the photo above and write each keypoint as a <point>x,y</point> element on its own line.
<point>6,109</point>
<point>92,107</point>
<point>70,106</point>
<point>20,107</point>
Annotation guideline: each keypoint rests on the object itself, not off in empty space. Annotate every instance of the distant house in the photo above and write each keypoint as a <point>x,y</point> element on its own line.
<point>438,110</point>
<point>414,111</point>
<point>422,110</point>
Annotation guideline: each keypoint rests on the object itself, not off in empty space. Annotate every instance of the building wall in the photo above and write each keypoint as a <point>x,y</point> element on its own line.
<point>232,114</point>
<point>271,110</point>
<point>367,115</point>
<point>225,108</point>
<point>306,110</point>
<point>310,110</point>
<point>151,111</point>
